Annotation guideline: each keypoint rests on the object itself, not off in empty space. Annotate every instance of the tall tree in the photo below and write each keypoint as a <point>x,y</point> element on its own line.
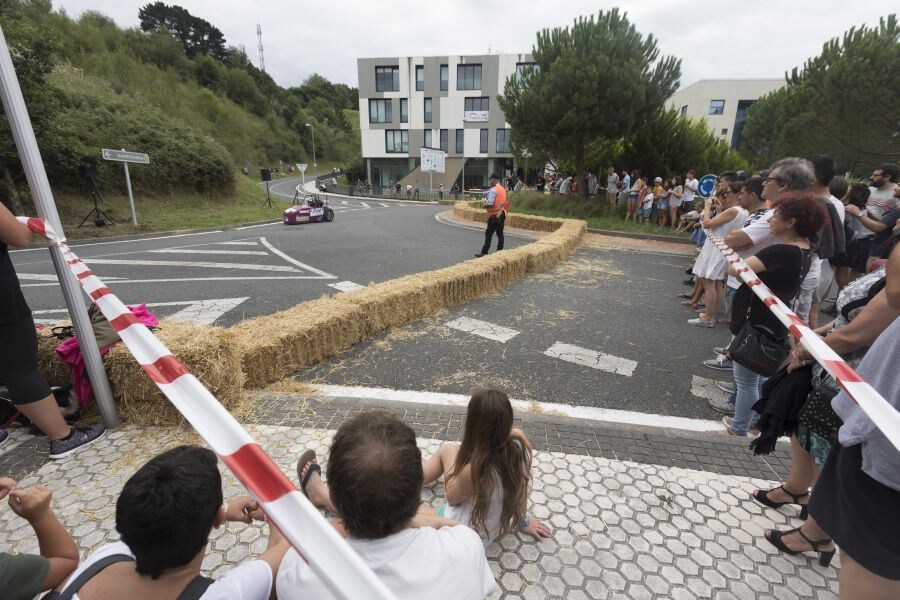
<point>196,35</point>
<point>842,103</point>
<point>596,81</point>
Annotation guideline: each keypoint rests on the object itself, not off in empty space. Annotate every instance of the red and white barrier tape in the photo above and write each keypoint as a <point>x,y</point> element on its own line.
<point>326,552</point>
<point>882,414</point>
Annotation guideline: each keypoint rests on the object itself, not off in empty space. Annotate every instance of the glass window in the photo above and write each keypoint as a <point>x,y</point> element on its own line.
<point>481,104</point>
<point>428,110</point>
<point>396,140</point>
<point>420,78</point>
<point>404,110</point>
<point>522,67</point>
<point>468,77</point>
<point>684,110</point>
<point>387,79</point>
<point>460,141</point>
<point>428,138</point>
<point>725,131</point>
<point>483,143</point>
<point>503,140</point>
<point>444,144</point>
<point>379,111</point>
<point>445,77</point>
<point>716,107</point>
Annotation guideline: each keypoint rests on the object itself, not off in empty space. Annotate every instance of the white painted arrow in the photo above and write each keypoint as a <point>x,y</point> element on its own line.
<point>199,312</point>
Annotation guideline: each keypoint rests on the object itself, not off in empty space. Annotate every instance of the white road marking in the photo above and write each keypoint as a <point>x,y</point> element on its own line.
<point>346,286</point>
<point>47,277</point>
<point>164,237</point>
<point>182,263</point>
<point>293,261</point>
<point>259,225</point>
<point>231,244</point>
<point>592,359</point>
<point>201,312</point>
<point>222,251</point>
<point>706,388</point>
<point>384,205</point>
<point>591,413</point>
<point>343,202</point>
<point>364,204</point>
<point>483,329</point>
<point>184,279</point>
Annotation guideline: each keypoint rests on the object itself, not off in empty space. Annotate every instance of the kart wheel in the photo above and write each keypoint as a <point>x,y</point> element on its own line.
<point>328,217</point>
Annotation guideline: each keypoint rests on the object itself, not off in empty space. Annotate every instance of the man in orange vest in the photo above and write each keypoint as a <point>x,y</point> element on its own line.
<point>497,205</point>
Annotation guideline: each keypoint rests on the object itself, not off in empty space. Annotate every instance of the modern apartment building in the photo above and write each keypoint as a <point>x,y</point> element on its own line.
<point>445,102</point>
<point>723,103</point>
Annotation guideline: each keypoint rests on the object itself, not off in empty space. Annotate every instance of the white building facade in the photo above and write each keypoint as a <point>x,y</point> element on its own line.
<point>723,103</point>
<point>444,102</point>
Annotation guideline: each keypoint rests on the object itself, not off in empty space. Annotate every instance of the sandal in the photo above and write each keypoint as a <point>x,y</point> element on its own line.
<point>691,304</point>
<point>774,536</point>
<point>763,498</point>
<point>307,458</point>
<point>685,295</point>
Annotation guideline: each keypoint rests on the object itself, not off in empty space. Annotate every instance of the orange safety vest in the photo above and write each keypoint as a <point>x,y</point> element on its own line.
<point>501,202</point>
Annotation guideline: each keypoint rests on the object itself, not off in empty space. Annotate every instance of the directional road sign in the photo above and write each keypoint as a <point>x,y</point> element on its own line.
<point>123,156</point>
<point>707,185</point>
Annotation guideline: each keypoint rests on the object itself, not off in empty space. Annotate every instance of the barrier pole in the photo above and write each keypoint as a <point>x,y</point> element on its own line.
<point>882,414</point>
<point>30,154</point>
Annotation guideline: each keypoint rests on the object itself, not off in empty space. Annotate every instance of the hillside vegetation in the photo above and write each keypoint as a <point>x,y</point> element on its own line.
<point>200,110</point>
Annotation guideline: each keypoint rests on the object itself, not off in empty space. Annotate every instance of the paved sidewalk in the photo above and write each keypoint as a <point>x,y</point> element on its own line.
<point>637,513</point>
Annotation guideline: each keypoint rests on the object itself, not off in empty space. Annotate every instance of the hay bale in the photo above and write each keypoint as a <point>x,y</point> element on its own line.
<point>55,371</point>
<point>274,346</point>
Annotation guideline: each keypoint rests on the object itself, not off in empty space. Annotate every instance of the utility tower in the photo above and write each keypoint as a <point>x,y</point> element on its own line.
<point>262,61</point>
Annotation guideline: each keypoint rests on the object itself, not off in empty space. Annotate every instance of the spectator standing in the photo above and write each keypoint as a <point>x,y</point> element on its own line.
<point>497,205</point>
<point>676,198</point>
<point>441,192</point>
<point>612,186</point>
<point>23,576</point>
<point>881,196</point>
<point>416,190</point>
<point>541,182</point>
<point>625,185</point>
<point>409,189</point>
<point>633,206</point>
<point>691,185</point>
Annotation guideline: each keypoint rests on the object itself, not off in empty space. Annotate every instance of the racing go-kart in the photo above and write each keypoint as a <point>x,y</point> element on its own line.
<point>308,209</point>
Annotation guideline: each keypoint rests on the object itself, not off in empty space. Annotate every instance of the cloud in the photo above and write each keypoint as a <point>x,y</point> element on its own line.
<point>714,39</point>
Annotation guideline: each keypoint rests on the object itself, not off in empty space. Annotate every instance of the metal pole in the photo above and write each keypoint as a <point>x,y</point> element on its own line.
<point>26,144</point>
<point>130,197</point>
<point>315,162</point>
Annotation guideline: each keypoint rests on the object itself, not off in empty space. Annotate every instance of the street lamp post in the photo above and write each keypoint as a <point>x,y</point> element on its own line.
<point>315,162</point>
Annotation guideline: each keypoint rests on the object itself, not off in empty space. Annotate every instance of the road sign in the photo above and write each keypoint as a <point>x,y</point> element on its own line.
<point>123,156</point>
<point>315,165</point>
<point>707,185</point>
<point>302,167</point>
<point>433,160</point>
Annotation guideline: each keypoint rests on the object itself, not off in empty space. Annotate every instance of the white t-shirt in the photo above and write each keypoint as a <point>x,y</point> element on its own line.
<point>690,188</point>
<point>248,581</point>
<point>880,201</point>
<point>839,206</point>
<point>757,229</point>
<point>648,200</point>
<point>462,513</point>
<point>437,564</point>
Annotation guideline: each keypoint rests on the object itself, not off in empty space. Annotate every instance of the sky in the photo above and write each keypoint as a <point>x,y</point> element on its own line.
<point>716,39</point>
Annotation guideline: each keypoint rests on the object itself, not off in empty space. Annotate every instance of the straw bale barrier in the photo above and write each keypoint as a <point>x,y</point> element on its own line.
<point>274,346</point>
<point>210,353</point>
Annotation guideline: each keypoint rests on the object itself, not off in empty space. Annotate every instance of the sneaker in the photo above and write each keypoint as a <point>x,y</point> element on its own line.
<point>726,387</point>
<point>479,255</point>
<point>723,406</point>
<point>720,349</point>
<point>79,438</point>
<point>719,363</point>
<point>698,322</point>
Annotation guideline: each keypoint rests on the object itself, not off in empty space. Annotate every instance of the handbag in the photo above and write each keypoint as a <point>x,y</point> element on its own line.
<point>757,348</point>
<point>103,331</point>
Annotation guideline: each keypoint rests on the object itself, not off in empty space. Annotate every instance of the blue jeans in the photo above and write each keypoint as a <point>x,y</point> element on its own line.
<point>748,390</point>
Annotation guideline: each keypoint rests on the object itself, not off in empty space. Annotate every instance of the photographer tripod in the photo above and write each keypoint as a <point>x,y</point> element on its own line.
<point>100,218</point>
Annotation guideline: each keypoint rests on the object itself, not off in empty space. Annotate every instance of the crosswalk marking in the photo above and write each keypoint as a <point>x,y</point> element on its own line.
<point>706,388</point>
<point>364,204</point>
<point>222,251</point>
<point>384,205</point>
<point>592,359</point>
<point>205,265</point>
<point>483,329</point>
<point>346,286</point>
<point>200,312</point>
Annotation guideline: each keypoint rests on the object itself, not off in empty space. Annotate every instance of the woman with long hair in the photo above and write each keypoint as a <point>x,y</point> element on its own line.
<point>676,197</point>
<point>487,477</point>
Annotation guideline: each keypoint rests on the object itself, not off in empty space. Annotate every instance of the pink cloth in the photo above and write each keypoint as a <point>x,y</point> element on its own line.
<point>71,354</point>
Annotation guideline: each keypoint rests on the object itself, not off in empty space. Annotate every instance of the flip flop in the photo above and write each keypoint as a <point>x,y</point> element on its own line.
<point>307,458</point>
<point>685,295</point>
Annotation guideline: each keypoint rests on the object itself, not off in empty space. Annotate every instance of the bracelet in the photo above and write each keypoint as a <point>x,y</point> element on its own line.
<point>524,522</point>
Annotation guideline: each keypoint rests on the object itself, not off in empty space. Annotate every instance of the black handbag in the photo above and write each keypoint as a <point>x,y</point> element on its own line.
<point>758,348</point>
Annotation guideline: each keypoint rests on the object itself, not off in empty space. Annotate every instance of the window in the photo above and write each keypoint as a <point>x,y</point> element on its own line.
<point>716,107</point>
<point>380,111</point>
<point>468,77</point>
<point>396,140</point>
<point>460,141</point>
<point>428,110</point>
<point>725,131</point>
<point>404,110</point>
<point>503,140</point>
<point>444,145</point>
<point>684,110</point>
<point>387,79</point>
<point>420,78</point>
<point>523,67</point>
<point>483,143</point>
<point>445,77</point>
<point>480,104</point>
<point>428,138</point>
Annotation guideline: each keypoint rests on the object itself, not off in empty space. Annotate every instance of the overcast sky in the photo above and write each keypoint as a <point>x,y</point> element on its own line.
<point>714,38</point>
